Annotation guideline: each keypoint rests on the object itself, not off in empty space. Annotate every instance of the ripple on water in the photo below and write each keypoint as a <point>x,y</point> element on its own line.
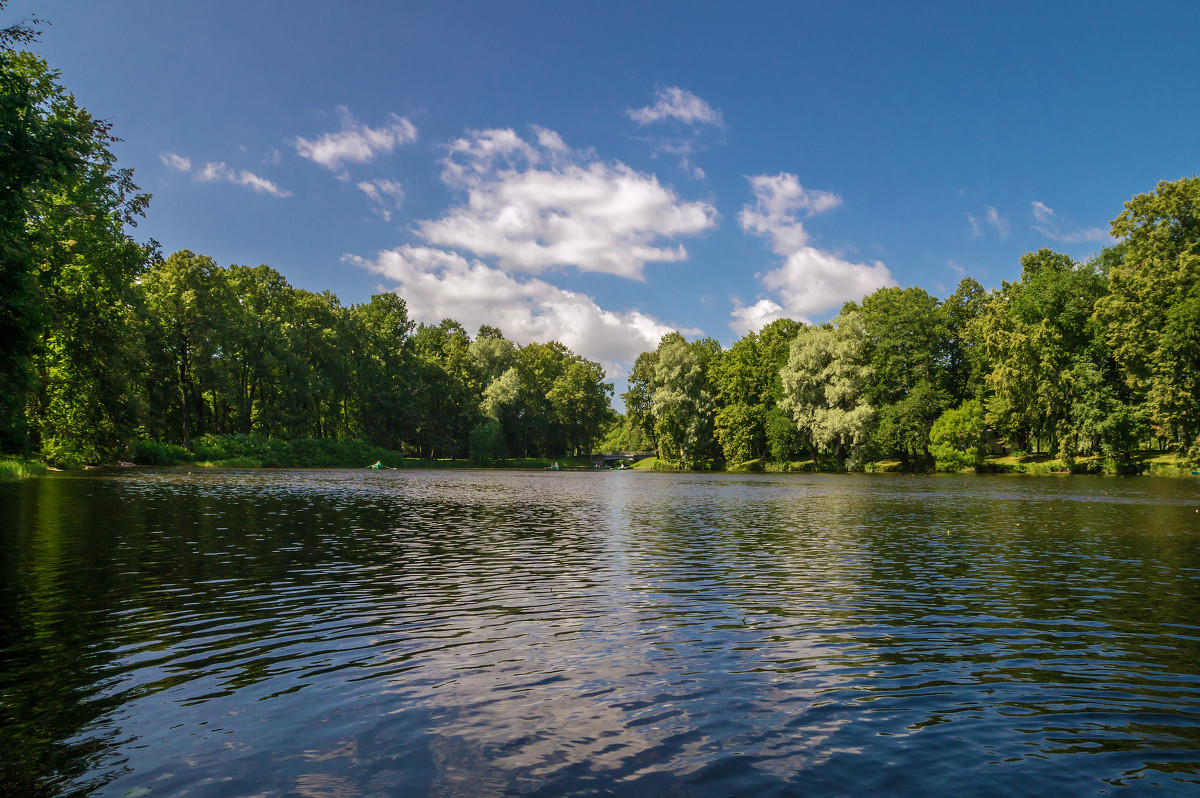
<point>327,633</point>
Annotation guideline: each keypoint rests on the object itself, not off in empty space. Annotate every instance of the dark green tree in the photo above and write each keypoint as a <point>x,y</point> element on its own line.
<point>67,265</point>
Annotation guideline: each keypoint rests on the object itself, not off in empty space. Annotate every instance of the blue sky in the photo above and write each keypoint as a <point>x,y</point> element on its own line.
<point>601,173</point>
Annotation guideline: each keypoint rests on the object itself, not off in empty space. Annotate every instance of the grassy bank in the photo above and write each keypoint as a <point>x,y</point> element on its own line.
<point>252,451</point>
<point>19,468</point>
<point>1148,462</point>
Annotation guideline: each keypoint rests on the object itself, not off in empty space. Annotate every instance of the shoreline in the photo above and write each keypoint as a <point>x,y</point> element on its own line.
<point>1149,464</point>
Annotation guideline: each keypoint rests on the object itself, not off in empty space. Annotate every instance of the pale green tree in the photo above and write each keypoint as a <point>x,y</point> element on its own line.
<point>683,402</point>
<point>825,388</point>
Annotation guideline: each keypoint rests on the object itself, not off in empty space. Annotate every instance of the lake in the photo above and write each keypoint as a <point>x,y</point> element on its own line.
<point>330,634</point>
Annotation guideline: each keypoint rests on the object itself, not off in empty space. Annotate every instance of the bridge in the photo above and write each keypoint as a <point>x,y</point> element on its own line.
<point>626,457</point>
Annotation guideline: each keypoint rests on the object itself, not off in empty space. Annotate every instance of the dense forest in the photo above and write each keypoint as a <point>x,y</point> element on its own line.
<point>109,350</point>
<point>1098,358</point>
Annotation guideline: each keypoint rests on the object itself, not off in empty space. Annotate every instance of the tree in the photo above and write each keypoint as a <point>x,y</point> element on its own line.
<point>682,403</point>
<point>486,442</point>
<point>964,364</point>
<point>741,393</point>
<point>22,32</point>
<point>640,396</point>
<point>825,386</point>
<point>67,264</point>
<point>1149,312</point>
<point>540,366</point>
<point>747,383</point>
<point>181,295</point>
<point>959,437</point>
<point>905,342</point>
<point>1036,333</point>
<point>580,399</point>
<point>492,354</point>
<point>388,404</point>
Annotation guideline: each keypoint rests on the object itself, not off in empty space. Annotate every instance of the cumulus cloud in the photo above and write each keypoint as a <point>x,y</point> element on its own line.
<point>438,284</point>
<point>355,142</point>
<point>176,161</point>
<point>777,199</point>
<point>810,280</point>
<point>676,103</point>
<point>1047,223</point>
<point>535,207</point>
<point>386,195</point>
<point>217,171</point>
<point>478,155</point>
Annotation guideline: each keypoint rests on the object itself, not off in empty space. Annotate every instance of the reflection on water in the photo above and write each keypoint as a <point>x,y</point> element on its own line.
<point>332,633</point>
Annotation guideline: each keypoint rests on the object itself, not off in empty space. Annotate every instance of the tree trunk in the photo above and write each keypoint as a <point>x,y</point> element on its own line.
<point>185,390</point>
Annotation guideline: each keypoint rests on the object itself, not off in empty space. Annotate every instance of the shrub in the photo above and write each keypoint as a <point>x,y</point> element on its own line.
<point>959,437</point>
<point>160,454</point>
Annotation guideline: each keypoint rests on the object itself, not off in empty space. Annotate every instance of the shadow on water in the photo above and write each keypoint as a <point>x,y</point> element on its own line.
<point>432,633</point>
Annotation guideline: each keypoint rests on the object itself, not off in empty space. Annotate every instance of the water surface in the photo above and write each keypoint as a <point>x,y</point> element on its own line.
<point>332,634</point>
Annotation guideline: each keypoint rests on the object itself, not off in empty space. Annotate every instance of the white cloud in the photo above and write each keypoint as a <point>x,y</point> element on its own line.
<point>756,316</point>
<point>474,156</point>
<point>777,198</point>
<point>997,221</point>
<point>550,140</point>
<point>176,161</point>
<point>217,170</point>
<point>438,284</point>
<point>538,207</point>
<point>811,280</point>
<point>1042,212</point>
<point>213,170</point>
<point>387,195</point>
<point>356,143</point>
<point>1046,222</point>
<point>976,232</point>
<point>259,184</point>
<point>676,103</point>
<point>957,269</point>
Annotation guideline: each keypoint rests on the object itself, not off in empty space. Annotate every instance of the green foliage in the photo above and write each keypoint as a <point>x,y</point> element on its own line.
<point>959,437</point>
<point>1150,314</point>
<point>67,268</point>
<point>621,436</point>
<point>682,404</point>
<point>18,468</point>
<point>159,454</point>
<point>783,438</point>
<point>825,386</point>
<point>487,442</point>
<point>1037,333</point>
<point>103,345</point>
<point>640,396</point>
<point>747,385</point>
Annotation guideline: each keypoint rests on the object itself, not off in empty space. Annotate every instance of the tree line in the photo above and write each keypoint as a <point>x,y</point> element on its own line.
<point>105,343</point>
<point>1074,359</point>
